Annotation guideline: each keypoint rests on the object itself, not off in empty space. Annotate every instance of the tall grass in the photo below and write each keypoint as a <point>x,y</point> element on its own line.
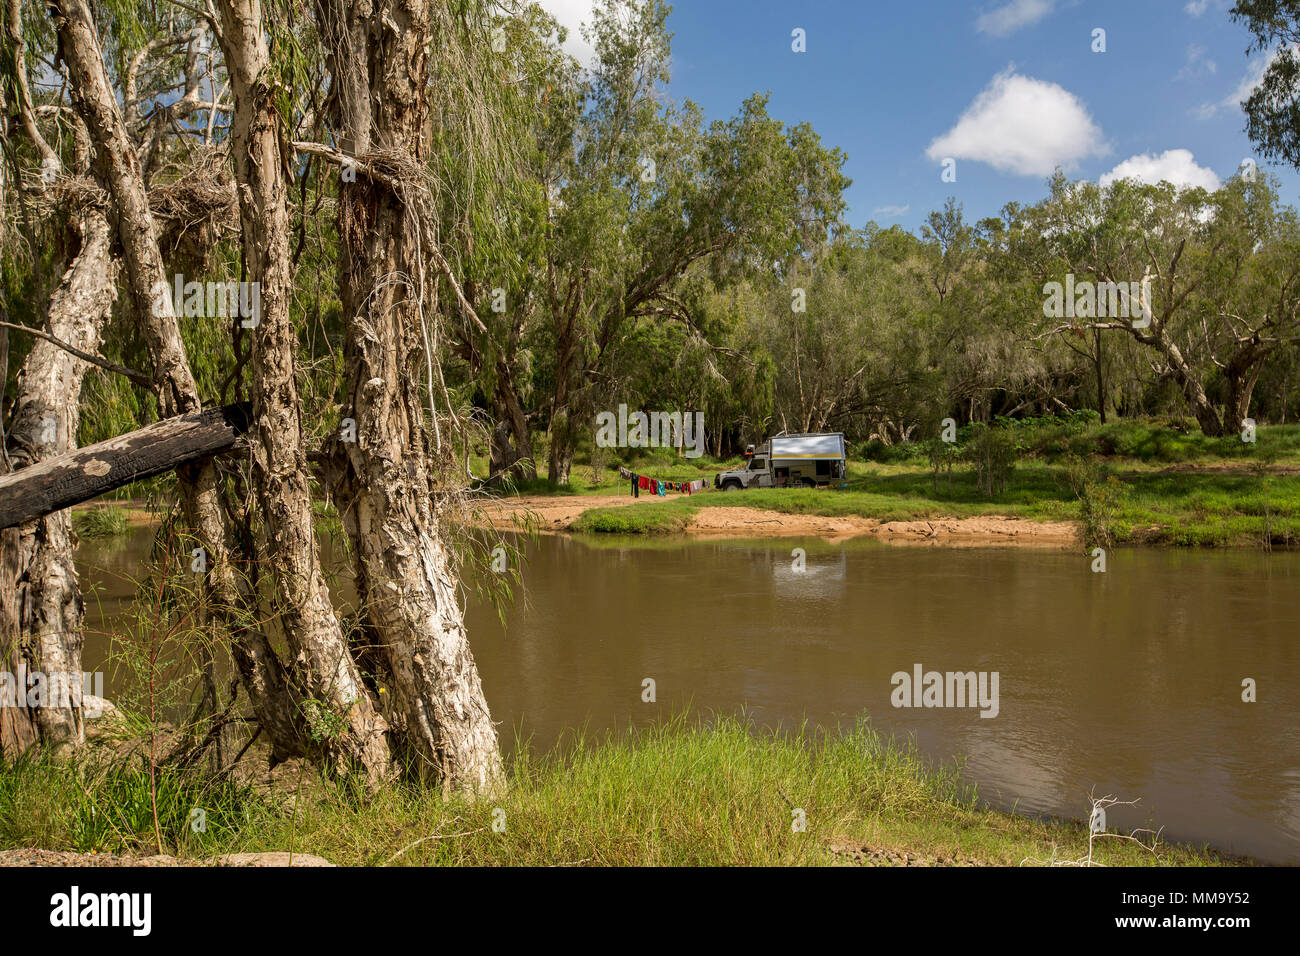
<point>689,791</point>
<point>106,522</point>
<point>102,802</point>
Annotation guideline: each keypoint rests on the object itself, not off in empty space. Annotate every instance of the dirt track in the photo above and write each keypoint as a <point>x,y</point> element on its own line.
<point>559,513</point>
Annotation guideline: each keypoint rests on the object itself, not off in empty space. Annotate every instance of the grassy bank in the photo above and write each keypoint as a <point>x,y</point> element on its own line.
<point>1175,487</point>
<point>100,521</point>
<point>684,793</point>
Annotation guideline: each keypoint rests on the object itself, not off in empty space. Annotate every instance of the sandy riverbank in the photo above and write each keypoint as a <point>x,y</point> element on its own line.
<point>558,513</point>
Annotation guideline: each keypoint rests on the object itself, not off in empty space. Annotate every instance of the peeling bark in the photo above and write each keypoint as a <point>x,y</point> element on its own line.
<point>201,499</point>
<point>378,58</point>
<point>40,599</point>
<point>280,473</point>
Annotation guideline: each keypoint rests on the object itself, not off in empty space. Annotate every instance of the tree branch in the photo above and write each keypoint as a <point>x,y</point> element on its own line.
<point>139,378</point>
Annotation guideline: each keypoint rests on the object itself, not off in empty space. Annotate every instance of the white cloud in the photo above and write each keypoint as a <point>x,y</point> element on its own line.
<point>572,14</point>
<point>1196,62</point>
<point>892,212</point>
<point>1253,77</point>
<point>1196,7</point>
<point>1176,166</point>
<point>1022,125</point>
<point>1011,16</point>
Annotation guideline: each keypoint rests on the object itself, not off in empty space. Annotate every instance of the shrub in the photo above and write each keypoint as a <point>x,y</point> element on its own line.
<point>941,455</point>
<point>877,451</point>
<point>993,453</point>
<point>1100,497</point>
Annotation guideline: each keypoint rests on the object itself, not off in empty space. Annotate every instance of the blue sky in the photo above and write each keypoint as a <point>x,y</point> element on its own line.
<point>1007,88</point>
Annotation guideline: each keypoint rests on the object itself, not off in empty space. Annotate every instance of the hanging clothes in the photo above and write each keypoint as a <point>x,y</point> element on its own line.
<point>636,487</point>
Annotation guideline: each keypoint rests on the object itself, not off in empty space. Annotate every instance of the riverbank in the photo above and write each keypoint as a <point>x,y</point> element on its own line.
<point>687,792</point>
<point>732,517</point>
<point>1198,504</point>
<point>1147,485</point>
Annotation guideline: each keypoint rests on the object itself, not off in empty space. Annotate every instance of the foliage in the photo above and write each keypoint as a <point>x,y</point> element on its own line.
<point>993,453</point>
<point>1100,497</point>
<point>106,522</point>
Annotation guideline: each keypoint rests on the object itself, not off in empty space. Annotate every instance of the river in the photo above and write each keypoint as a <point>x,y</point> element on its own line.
<point>1126,683</point>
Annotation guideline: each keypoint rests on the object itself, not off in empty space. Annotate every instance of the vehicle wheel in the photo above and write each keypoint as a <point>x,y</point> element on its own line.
<point>731,486</point>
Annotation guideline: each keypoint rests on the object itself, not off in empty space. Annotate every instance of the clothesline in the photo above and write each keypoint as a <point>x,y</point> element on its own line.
<point>658,486</point>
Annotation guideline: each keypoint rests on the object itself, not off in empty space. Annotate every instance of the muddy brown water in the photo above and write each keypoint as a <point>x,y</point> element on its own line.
<point>1126,683</point>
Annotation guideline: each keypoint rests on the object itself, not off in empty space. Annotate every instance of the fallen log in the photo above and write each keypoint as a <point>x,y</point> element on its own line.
<point>66,480</point>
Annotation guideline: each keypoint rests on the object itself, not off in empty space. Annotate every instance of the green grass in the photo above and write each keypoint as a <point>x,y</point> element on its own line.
<point>100,522</point>
<point>1180,509</point>
<point>97,804</point>
<point>660,517</point>
<point>686,792</point>
<point>1180,488</point>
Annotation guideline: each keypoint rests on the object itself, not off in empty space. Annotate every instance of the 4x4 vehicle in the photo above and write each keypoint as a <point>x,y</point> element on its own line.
<point>790,461</point>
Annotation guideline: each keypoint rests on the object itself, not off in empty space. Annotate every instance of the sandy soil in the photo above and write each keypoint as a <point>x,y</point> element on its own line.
<point>559,513</point>
<point>862,854</point>
<point>550,513</point>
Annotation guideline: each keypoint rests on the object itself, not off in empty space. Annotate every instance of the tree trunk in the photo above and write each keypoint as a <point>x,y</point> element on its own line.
<point>559,459</point>
<point>200,485</point>
<point>512,445</point>
<point>1199,403</point>
<point>329,676</point>
<point>1236,408</point>
<point>1207,416</point>
<point>1098,358</point>
<point>40,600</point>
<point>385,481</point>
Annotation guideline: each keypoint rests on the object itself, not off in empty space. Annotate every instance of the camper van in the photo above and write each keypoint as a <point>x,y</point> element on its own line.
<point>790,461</point>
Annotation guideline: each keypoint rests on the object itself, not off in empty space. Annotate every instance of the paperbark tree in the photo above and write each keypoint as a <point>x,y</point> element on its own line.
<point>648,194</point>
<point>40,599</point>
<point>386,482</point>
<point>280,475</point>
<point>94,99</point>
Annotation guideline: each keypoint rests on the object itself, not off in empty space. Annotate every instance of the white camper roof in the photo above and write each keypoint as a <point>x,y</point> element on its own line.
<point>809,446</point>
